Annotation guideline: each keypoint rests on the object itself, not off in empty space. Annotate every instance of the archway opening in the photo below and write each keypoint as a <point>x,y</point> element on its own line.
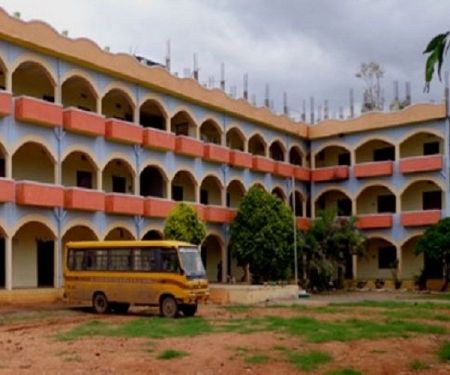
<point>336,200</point>
<point>79,233</point>
<point>118,177</point>
<point>153,234</point>
<point>235,139</point>
<point>119,234</point>
<point>210,132</point>
<point>298,204</point>
<point>331,156</point>
<point>375,150</point>
<point>184,187</point>
<point>413,264</point>
<point>235,193</point>
<point>183,124</point>
<point>152,115</point>
<point>77,92</point>
<point>153,182</point>
<point>211,252</point>
<point>277,151</point>
<point>211,191</point>
<point>3,73</point>
<point>32,79</point>
<point>279,193</point>
<point>421,144</point>
<point>78,169</point>
<point>376,199</point>
<point>379,260</point>
<point>117,104</point>
<point>33,256</point>
<point>295,156</point>
<point>32,161</point>
<point>422,195</point>
<point>257,146</point>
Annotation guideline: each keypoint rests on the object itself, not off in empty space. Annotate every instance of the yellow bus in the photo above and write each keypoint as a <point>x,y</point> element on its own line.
<point>113,275</point>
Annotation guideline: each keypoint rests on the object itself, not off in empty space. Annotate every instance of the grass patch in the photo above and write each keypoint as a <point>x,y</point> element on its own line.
<point>344,371</point>
<point>155,328</point>
<point>444,352</point>
<point>308,361</point>
<point>257,359</point>
<point>417,313</point>
<point>395,305</point>
<point>418,366</point>
<point>238,308</point>
<point>171,354</point>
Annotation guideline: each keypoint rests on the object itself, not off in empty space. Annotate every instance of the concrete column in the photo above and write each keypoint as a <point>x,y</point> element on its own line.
<point>8,81</point>
<point>397,153</point>
<point>224,264</point>
<point>8,263</point>
<point>355,266</point>
<point>57,173</point>
<point>399,258</point>
<point>99,180</point>
<point>99,106</point>
<point>137,185</point>
<point>58,263</point>
<point>58,94</point>
<point>136,115</point>
<point>304,208</point>
<point>8,166</point>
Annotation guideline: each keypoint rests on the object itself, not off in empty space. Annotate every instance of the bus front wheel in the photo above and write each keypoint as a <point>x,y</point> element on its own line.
<point>168,307</point>
<point>100,303</point>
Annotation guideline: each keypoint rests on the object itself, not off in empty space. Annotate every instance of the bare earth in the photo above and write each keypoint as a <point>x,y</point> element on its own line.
<point>28,345</point>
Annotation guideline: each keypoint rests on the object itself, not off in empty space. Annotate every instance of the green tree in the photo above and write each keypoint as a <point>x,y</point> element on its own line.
<point>436,49</point>
<point>326,247</point>
<point>262,235</point>
<point>435,244</point>
<point>183,224</point>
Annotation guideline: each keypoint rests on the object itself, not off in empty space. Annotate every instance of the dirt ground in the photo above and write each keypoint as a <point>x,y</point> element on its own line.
<point>28,344</point>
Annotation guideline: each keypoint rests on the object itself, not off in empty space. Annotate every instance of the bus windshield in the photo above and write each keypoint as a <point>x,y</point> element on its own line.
<point>192,263</point>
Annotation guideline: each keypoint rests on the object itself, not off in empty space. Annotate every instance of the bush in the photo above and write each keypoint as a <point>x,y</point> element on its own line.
<point>183,224</point>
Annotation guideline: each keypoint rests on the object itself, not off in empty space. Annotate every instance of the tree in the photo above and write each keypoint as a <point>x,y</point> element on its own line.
<point>328,244</point>
<point>435,243</point>
<point>436,49</point>
<point>183,224</point>
<point>371,73</point>
<point>262,235</point>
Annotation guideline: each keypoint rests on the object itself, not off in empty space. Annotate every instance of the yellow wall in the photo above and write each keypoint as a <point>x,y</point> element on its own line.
<point>367,200</point>
<point>31,162</point>
<point>235,195</point>
<point>74,163</point>
<point>110,109</point>
<point>367,266</point>
<point>213,257</point>
<point>411,264</point>
<point>364,154</point>
<point>330,198</point>
<point>188,187</point>
<point>330,156</point>
<point>214,193</point>
<point>234,141</point>
<point>28,80</point>
<point>71,95</point>
<point>414,145</point>
<point>412,199</point>
<point>113,169</point>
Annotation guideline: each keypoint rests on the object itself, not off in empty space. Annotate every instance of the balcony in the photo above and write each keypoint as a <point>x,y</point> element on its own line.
<point>374,221</point>
<point>216,153</point>
<point>5,103</point>
<point>420,218</point>
<point>159,139</point>
<point>200,209</point>
<point>84,199</point>
<point>263,164</point>
<point>189,146</point>
<point>217,214</point>
<point>7,190</point>
<point>83,122</point>
<point>302,174</point>
<point>373,169</point>
<point>116,203</point>
<point>123,132</point>
<point>38,112</point>
<point>241,159</point>
<point>335,173</point>
<point>39,194</point>
<point>158,207</point>
<point>303,223</point>
<point>421,164</point>
<point>284,169</point>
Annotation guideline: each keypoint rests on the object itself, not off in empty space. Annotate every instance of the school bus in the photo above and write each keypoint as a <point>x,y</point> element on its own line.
<point>113,275</point>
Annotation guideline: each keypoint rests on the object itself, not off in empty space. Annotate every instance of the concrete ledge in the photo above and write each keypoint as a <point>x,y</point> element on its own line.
<point>25,296</point>
<point>251,294</point>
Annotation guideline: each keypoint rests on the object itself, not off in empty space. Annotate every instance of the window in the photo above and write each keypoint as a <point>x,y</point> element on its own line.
<point>119,184</point>
<point>177,193</point>
<point>385,153</point>
<point>146,259</point>
<point>344,207</point>
<point>119,260</point>
<point>387,257</point>
<point>84,179</point>
<point>344,159</point>
<point>431,200</point>
<point>169,261</point>
<point>431,148</point>
<point>386,203</point>
<point>203,196</point>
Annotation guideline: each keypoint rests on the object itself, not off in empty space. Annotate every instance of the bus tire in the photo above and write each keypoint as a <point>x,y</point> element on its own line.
<point>100,303</point>
<point>168,307</point>
<point>189,310</point>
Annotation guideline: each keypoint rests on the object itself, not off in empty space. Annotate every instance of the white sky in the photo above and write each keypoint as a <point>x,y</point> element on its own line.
<point>306,48</point>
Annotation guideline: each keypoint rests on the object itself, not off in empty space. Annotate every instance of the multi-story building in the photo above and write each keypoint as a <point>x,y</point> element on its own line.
<point>95,145</point>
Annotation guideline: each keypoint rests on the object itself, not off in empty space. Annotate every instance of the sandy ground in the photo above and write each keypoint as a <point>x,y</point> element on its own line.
<point>28,345</point>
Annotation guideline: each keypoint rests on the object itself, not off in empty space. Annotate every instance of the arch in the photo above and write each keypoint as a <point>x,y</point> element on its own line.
<point>331,155</point>
<point>299,199</point>
<point>33,249</point>
<point>34,218</point>
<point>79,232</point>
<point>279,193</point>
<point>412,264</point>
<point>153,234</point>
<point>153,182</point>
<point>424,193</point>
<point>117,103</point>
<point>258,184</point>
<point>376,198</point>
<point>375,149</point>
<point>211,191</point>
<point>211,132</point>
<point>334,198</point>
<point>119,233</point>
<point>152,114</point>
<point>277,151</point>
<point>257,145</point>
<point>422,142</point>
<point>78,91</point>
<point>118,176</point>
<point>212,255</point>
<point>79,169</point>
<point>33,161</point>
<point>33,78</point>
<point>296,156</point>
<point>184,187</point>
<point>182,123</point>
<point>235,193</point>
<point>3,75</point>
<point>235,139</point>
<point>380,258</point>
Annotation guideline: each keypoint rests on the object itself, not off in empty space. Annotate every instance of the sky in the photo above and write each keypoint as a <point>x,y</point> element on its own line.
<point>302,47</point>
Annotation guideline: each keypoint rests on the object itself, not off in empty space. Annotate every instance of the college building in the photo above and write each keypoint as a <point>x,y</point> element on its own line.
<point>95,145</point>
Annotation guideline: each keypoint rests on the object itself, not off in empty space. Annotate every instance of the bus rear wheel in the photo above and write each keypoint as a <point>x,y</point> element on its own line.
<point>189,310</point>
<point>100,303</point>
<point>168,307</point>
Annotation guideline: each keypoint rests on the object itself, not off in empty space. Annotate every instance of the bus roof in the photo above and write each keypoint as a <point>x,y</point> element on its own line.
<point>120,244</point>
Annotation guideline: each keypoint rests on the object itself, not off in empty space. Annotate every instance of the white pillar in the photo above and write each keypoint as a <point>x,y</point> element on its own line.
<point>355,266</point>
<point>224,264</point>
<point>8,263</point>
<point>400,261</point>
<point>58,265</point>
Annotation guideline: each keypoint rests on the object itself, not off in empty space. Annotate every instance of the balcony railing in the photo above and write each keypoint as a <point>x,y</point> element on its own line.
<point>217,214</point>
<point>216,153</point>
<point>158,207</point>
<point>5,103</point>
<point>284,169</point>
<point>374,221</point>
<point>7,190</point>
<point>373,169</point>
<point>335,173</point>
<point>420,218</point>
<point>123,131</point>
<point>39,194</point>
<point>124,204</point>
<point>39,112</point>
<point>159,139</point>
<point>241,159</point>
<point>421,164</point>
<point>302,173</point>
<point>84,122</point>
<point>303,223</point>
<point>76,198</point>
<point>189,146</point>
<point>263,164</point>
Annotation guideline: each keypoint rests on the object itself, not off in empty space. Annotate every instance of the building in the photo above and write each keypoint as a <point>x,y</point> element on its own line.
<point>100,146</point>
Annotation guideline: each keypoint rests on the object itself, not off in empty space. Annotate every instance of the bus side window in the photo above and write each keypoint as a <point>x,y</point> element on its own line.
<point>88,260</point>
<point>169,261</point>
<point>149,259</point>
